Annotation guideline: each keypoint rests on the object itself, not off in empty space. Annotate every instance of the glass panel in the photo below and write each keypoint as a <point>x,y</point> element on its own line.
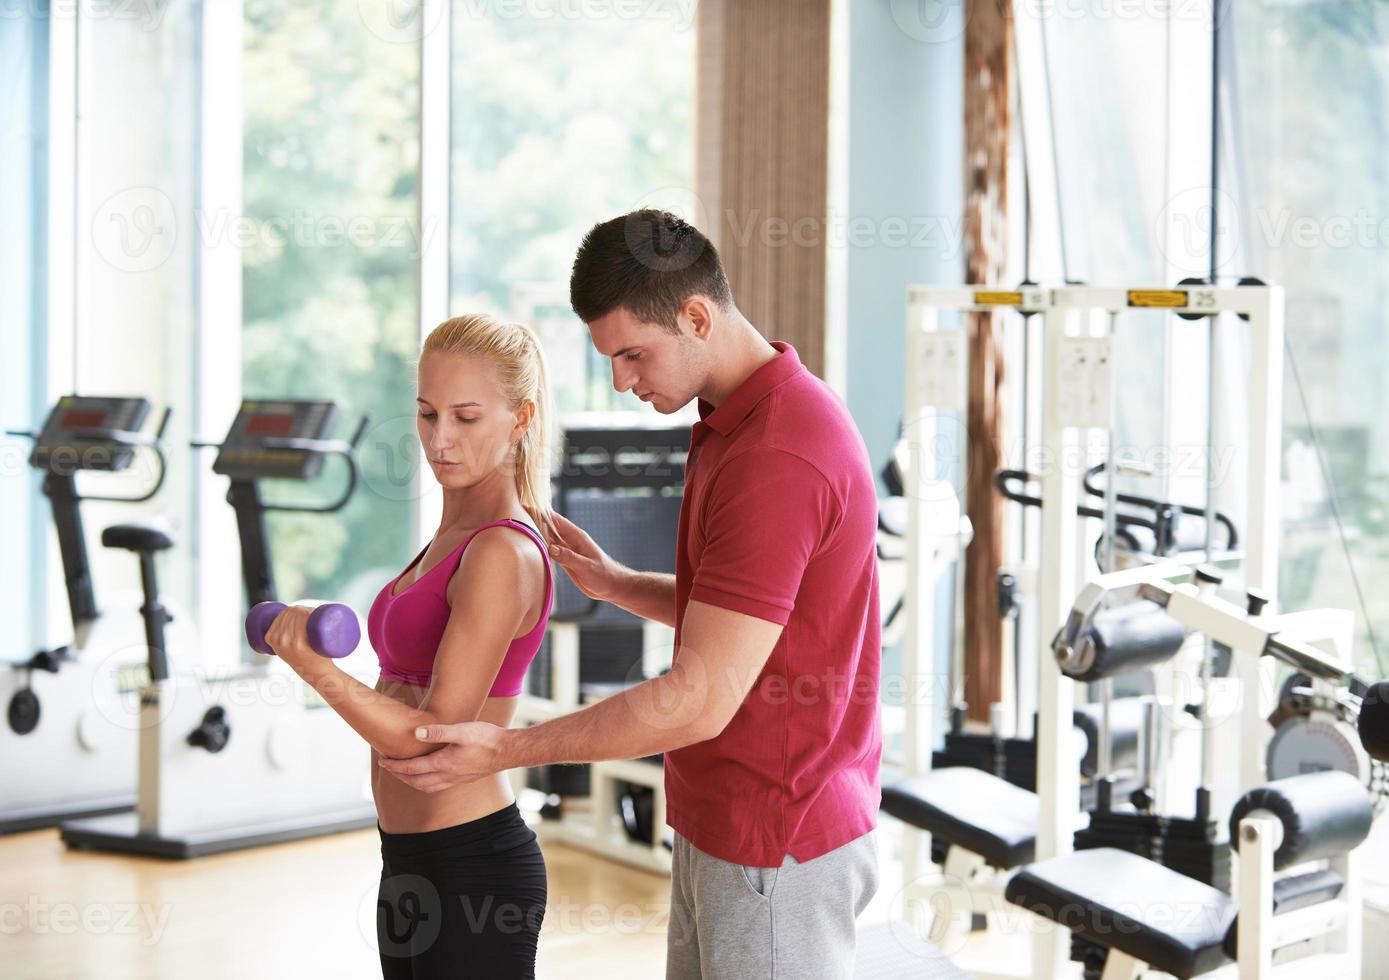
<point>1109,81</point>
<point>1313,195</point>
<point>551,134</point>
<point>332,144</point>
<point>23,272</point>
<point>136,308</point>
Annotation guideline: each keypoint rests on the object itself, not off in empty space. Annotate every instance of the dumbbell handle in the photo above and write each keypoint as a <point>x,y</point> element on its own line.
<point>333,629</point>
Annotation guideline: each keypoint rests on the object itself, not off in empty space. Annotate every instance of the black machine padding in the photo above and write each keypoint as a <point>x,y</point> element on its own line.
<point>137,537</point>
<point>1125,724</point>
<point>1130,637</point>
<point>1126,902</point>
<point>1323,814</point>
<point>1374,721</point>
<point>969,808</point>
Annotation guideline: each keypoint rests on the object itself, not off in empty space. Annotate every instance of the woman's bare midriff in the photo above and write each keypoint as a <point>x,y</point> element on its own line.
<point>401,809</point>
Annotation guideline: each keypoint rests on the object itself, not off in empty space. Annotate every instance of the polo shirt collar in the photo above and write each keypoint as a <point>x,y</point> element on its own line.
<point>724,418</point>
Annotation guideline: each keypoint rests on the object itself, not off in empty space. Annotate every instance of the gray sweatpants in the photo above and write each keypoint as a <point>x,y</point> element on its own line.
<point>795,922</point>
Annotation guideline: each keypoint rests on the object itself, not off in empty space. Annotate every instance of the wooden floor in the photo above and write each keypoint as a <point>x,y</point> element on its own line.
<point>303,910</point>
<point>307,910</point>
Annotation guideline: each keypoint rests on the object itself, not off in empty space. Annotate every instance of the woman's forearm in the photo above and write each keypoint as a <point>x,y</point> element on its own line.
<point>386,724</point>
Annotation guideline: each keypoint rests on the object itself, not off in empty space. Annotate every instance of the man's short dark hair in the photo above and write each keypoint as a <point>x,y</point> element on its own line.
<point>647,262</point>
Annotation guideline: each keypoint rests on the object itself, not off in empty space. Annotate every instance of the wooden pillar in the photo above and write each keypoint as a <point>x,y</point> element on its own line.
<point>761,159</point>
<point>988,92</point>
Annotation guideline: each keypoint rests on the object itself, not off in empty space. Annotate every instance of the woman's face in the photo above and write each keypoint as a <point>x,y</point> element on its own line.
<point>467,428</point>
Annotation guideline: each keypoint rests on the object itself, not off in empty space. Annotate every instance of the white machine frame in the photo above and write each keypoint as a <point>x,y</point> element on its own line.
<point>935,369</point>
<point>1071,314</point>
<point>79,760</point>
<point>1320,645</point>
<point>291,768</point>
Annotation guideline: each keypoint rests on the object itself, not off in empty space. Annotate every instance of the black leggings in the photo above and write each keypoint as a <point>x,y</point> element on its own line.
<point>465,901</point>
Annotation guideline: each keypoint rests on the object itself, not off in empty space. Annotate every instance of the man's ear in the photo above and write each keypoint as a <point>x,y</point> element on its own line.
<point>698,310</point>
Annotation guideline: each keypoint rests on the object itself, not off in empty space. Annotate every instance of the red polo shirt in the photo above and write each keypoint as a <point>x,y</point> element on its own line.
<point>779,521</point>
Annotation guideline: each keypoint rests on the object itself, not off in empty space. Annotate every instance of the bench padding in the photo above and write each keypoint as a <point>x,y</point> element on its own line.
<point>1122,901</point>
<point>969,808</point>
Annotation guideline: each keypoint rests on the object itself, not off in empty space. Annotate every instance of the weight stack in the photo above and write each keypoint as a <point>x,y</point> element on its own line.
<point>975,751</point>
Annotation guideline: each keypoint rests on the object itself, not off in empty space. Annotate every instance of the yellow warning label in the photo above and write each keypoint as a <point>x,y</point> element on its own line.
<point>986,298</point>
<point>1160,298</point>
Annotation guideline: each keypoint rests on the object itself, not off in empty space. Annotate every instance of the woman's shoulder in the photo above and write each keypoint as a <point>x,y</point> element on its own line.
<point>503,551</point>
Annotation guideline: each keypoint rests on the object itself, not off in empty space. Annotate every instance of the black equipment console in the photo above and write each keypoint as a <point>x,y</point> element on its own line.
<point>87,433</point>
<point>276,439</point>
<point>101,434</point>
<point>284,439</point>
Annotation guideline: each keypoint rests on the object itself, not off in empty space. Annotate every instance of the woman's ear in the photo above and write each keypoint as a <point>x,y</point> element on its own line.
<point>525,414</point>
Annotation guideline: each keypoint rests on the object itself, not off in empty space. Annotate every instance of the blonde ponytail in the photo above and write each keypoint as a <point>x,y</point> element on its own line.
<point>514,349</point>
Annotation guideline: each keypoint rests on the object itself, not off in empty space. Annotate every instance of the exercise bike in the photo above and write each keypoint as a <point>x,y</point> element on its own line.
<point>69,734</point>
<point>251,756</point>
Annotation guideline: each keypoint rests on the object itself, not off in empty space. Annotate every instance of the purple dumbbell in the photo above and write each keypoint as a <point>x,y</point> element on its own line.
<point>333,629</point>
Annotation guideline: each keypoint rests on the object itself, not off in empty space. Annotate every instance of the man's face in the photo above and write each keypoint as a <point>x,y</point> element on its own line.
<point>658,366</point>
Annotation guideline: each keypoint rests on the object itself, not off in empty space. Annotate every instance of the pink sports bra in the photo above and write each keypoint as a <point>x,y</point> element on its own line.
<point>405,629</point>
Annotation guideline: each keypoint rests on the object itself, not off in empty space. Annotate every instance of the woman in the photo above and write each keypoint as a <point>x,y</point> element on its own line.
<point>463,883</point>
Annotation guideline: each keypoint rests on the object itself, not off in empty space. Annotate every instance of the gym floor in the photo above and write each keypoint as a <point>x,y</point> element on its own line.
<point>307,909</point>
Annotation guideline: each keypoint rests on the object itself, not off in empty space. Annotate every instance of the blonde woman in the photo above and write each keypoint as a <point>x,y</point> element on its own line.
<point>463,883</point>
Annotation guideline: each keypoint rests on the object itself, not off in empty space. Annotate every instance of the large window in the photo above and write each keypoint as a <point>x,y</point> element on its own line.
<point>552,131</point>
<point>1302,201</point>
<point>331,165</point>
<point>1309,131</point>
<point>132,280</point>
<point>1130,131</point>
<point>23,124</point>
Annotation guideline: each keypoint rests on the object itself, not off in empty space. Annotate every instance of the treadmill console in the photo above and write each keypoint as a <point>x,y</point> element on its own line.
<point>90,433</point>
<point>273,440</point>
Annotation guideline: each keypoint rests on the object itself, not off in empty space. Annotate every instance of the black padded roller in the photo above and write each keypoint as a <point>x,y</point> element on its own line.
<point>1125,639</point>
<point>1323,814</point>
<point>1374,721</point>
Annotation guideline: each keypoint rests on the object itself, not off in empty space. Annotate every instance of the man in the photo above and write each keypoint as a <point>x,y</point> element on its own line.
<point>769,716</point>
